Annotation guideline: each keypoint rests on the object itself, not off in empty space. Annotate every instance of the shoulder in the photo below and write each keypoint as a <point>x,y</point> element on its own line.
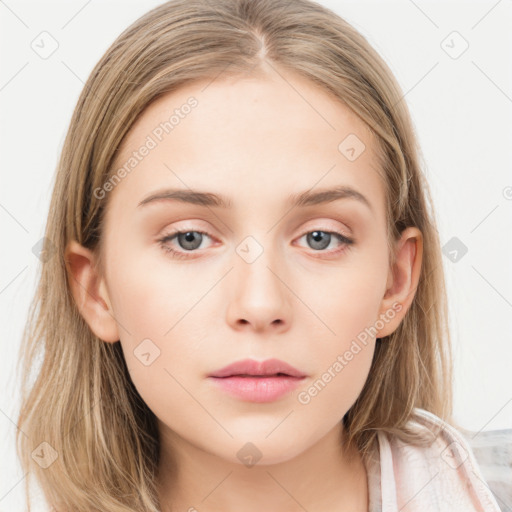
<point>439,474</point>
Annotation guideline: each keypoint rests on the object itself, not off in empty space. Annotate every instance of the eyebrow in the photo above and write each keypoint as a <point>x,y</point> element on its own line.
<point>302,199</point>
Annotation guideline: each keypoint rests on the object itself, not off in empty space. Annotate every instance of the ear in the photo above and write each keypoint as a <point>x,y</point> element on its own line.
<point>403,278</point>
<point>90,292</point>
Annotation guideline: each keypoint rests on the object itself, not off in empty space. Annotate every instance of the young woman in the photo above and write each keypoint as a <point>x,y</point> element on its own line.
<point>245,309</point>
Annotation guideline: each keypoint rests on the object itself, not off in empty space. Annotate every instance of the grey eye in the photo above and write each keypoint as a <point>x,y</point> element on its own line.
<point>319,239</point>
<point>190,240</point>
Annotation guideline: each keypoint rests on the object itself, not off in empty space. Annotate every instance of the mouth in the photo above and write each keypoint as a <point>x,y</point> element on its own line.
<point>253,368</point>
<point>254,381</point>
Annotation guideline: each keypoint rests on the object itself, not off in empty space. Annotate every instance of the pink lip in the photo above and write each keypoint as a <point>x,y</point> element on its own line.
<point>257,368</point>
<point>255,381</point>
<point>257,389</point>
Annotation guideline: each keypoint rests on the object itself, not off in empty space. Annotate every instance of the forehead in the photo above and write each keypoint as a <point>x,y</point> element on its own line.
<point>250,138</point>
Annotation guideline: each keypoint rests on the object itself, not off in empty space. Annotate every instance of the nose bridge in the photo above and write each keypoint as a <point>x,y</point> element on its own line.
<point>258,257</point>
<point>258,294</point>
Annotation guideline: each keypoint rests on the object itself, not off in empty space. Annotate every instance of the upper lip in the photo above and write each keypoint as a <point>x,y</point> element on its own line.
<point>257,368</point>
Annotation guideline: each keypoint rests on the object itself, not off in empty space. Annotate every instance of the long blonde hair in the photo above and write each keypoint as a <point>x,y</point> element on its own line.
<point>81,400</point>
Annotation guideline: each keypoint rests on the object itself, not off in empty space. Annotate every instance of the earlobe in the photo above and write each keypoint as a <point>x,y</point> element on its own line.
<point>403,280</point>
<point>90,292</point>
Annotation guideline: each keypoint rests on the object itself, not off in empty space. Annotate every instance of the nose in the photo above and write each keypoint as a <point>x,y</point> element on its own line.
<point>259,294</point>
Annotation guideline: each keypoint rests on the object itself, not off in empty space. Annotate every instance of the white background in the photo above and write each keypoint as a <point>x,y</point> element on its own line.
<point>462,111</point>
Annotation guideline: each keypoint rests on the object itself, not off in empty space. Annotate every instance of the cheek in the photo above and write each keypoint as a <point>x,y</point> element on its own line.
<point>346,307</point>
<point>347,299</point>
<point>156,307</point>
<point>348,310</point>
<point>149,294</point>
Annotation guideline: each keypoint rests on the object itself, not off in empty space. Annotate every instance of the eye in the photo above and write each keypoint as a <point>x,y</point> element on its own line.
<point>189,240</point>
<point>321,239</point>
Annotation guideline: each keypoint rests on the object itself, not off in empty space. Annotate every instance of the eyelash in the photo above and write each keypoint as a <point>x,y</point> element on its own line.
<point>347,242</point>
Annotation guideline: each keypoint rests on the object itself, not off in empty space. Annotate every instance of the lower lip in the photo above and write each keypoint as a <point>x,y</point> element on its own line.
<point>257,389</point>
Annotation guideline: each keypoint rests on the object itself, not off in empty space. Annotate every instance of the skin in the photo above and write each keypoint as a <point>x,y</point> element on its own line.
<point>255,140</point>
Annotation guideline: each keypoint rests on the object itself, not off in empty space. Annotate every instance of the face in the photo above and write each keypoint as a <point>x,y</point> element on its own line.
<point>261,277</point>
